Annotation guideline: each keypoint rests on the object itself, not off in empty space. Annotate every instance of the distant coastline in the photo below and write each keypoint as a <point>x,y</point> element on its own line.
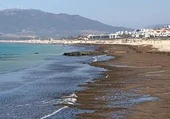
<point>160,45</point>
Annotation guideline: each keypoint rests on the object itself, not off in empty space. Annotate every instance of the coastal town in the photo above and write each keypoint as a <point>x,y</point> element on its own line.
<point>162,32</point>
<point>159,38</point>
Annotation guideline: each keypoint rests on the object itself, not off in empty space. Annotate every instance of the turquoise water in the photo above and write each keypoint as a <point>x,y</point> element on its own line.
<point>48,81</point>
<point>18,56</point>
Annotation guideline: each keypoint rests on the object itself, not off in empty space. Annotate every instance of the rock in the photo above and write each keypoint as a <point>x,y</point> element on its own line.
<point>83,53</point>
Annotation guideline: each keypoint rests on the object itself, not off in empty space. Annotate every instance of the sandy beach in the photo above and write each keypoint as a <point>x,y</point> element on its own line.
<point>161,45</point>
<point>136,85</point>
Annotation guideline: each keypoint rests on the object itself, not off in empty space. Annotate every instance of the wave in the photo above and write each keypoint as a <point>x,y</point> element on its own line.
<point>67,100</point>
<point>94,59</point>
<point>101,58</point>
<point>52,114</point>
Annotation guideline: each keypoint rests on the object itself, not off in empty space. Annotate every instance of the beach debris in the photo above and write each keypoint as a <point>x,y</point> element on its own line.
<point>105,52</point>
<point>107,76</point>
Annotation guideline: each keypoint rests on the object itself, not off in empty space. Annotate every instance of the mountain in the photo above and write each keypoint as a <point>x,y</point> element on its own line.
<point>36,22</point>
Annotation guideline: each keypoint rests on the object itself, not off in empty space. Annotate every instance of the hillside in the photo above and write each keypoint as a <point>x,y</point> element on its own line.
<point>36,22</point>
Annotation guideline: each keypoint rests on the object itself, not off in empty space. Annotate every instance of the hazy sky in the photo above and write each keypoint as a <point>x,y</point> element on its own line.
<point>128,13</point>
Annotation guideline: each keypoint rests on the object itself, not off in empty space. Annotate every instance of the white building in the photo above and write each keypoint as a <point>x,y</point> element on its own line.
<point>113,36</point>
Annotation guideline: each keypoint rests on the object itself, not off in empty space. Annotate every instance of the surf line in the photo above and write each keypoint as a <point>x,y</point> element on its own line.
<point>52,114</point>
<point>94,59</point>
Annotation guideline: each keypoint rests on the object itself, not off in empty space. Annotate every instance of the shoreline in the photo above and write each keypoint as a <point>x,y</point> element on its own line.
<point>138,76</point>
<point>48,86</point>
<point>160,45</point>
<point>133,76</point>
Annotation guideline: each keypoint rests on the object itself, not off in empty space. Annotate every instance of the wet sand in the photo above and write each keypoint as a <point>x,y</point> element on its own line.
<point>136,85</point>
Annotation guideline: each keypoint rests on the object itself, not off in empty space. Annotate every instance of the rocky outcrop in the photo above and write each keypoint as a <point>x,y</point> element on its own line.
<point>83,53</point>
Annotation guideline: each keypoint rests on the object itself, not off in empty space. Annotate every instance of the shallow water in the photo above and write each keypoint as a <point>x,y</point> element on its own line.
<point>126,100</point>
<point>19,56</point>
<point>38,90</point>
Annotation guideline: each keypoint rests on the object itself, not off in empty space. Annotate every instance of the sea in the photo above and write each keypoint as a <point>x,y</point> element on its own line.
<point>36,80</point>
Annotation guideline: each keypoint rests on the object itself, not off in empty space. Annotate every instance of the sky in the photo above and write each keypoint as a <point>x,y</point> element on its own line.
<point>126,13</point>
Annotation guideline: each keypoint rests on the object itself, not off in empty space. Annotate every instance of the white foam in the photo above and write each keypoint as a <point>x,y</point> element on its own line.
<point>94,59</point>
<point>23,105</point>
<point>101,55</point>
<point>52,114</point>
<point>69,100</point>
<point>72,96</point>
